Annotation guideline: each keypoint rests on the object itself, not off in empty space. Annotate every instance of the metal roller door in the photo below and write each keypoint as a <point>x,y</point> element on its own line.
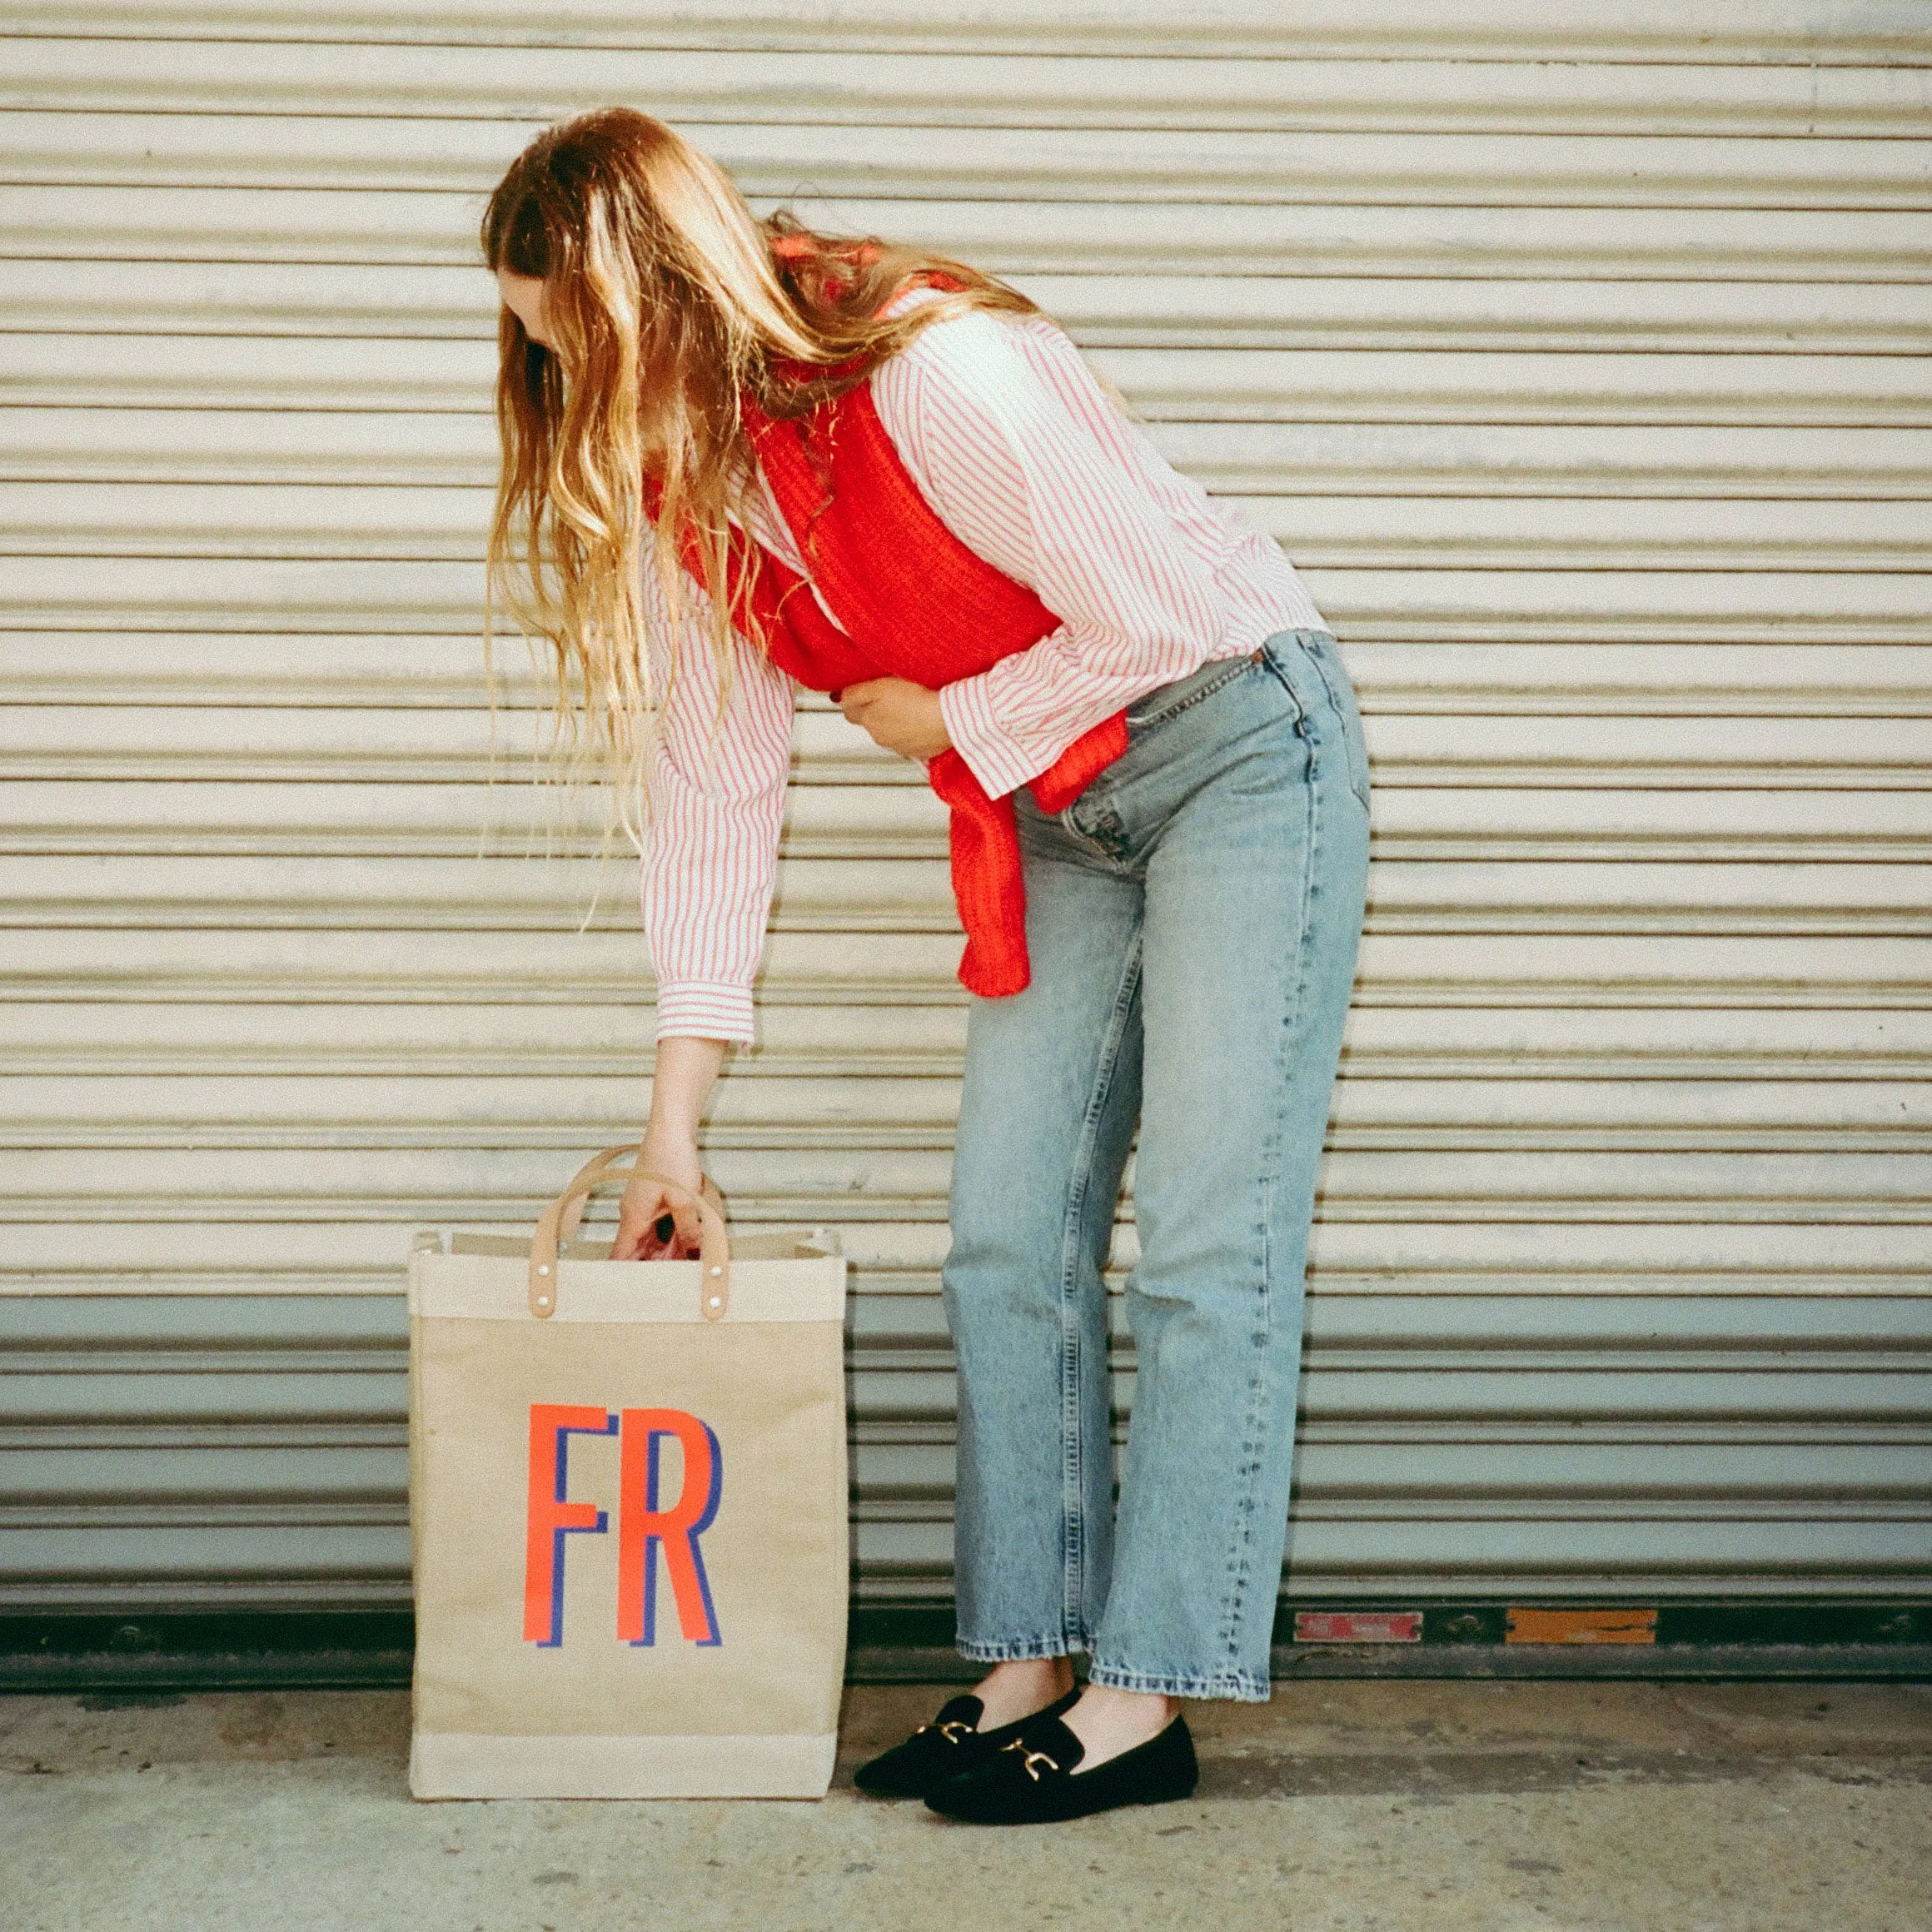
<point>1577,353</point>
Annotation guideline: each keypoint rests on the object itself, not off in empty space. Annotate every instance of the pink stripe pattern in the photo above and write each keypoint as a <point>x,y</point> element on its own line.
<point>1030,462</point>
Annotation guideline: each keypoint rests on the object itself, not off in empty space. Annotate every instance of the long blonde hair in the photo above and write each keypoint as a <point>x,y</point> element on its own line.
<point>667,302</point>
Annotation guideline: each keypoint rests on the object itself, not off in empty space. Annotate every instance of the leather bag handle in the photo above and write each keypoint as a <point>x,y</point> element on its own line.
<point>574,1211</point>
<point>559,1220</point>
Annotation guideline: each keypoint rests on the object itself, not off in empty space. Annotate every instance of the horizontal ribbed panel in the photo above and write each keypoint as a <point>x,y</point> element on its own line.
<point>1577,354</point>
<point>271,1464</point>
<point>1697,31</point>
<point>72,149</point>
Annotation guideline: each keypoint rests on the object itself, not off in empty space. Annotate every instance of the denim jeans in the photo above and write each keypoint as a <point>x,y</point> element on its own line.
<point>1192,920</point>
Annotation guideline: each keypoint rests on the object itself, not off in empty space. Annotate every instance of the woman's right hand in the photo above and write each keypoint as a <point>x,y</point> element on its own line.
<point>646,1211</point>
<point>686,1070</point>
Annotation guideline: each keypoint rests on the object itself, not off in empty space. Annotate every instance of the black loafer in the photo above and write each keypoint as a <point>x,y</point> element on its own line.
<point>1031,1780</point>
<point>952,1743</point>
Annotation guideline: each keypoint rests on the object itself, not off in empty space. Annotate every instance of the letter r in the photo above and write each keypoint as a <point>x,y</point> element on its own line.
<point>642,1526</point>
<point>551,1516</point>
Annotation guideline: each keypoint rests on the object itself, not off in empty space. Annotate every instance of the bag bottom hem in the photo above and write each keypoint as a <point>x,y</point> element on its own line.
<point>471,1765</point>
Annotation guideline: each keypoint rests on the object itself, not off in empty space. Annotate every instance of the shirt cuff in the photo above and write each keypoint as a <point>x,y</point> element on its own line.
<point>705,1009</point>
<point>999,760</point>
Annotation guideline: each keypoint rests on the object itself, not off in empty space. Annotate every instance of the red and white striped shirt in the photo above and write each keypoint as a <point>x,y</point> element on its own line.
<point>1030,463</point>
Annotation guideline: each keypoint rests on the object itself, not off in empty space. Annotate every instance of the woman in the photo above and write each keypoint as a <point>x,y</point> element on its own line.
<point>738,457</point>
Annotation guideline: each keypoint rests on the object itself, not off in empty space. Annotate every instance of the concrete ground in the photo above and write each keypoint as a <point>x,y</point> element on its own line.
<point>1341,1807</point>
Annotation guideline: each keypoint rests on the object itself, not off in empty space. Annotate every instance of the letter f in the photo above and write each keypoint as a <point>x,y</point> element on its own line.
<point>552,1517</point>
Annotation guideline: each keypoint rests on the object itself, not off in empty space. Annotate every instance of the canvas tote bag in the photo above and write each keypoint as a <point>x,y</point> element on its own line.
<point>628,1513</point>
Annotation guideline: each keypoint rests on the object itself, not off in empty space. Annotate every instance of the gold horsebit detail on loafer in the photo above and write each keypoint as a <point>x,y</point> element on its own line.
<point>1032,1758</point>
<point>952,1731</point>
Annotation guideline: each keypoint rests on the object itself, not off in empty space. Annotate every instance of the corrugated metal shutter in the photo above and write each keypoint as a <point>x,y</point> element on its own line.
<point>1578,355</point>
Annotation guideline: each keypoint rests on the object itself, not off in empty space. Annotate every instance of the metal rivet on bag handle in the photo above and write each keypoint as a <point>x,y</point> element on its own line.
<point>545,1271</point>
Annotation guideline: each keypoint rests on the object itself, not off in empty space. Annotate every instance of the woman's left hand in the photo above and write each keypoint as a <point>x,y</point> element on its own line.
<point>898,715</point>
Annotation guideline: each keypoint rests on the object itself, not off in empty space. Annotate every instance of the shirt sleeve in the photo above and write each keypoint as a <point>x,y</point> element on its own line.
<point>717,778</point>
<point>1032,466</point>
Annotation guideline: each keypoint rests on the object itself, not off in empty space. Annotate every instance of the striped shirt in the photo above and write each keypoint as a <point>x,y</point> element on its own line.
<point>1028,461</point>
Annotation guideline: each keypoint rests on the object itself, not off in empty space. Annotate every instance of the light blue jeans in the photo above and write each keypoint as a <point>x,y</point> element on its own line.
<point>1192,920</point>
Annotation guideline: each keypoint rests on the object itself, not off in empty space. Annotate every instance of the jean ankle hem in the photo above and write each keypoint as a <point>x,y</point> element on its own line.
<point>1236,1685</point>
<point>1020,1651</point>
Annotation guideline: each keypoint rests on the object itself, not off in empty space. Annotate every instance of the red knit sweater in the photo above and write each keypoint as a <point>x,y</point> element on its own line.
<point>913,602</point>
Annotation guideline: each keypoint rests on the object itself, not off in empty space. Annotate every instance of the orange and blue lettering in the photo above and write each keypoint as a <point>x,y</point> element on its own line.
<point>552,1515</point>
<point>643,1525</point>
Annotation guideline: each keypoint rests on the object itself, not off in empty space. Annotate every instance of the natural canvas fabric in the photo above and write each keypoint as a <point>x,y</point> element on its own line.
<point>629,1526</point>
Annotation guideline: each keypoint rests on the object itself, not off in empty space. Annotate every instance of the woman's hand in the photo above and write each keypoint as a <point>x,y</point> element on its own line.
<point>642,1216</point>
<point>686,1069</point>
<point>899,715</point>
